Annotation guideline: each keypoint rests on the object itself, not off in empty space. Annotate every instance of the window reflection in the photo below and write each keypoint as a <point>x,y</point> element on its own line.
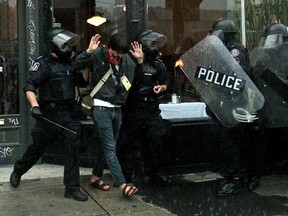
<point>185,23</point>
<point>73,15</point>
<point>8,58</point>
<point>114,12</point>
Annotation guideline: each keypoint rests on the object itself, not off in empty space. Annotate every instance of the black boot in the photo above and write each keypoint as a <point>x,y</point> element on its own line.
<point>253,183</point>
<point>15,179</point>
<point>229,187</point>
<point>75,193</point>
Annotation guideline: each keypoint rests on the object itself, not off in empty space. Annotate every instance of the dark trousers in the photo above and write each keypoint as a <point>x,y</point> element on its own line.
<point>135,119</point>
<point>243,148</point>
<point>254,148</point>
<point>44,134</point>
<point>230,151</point>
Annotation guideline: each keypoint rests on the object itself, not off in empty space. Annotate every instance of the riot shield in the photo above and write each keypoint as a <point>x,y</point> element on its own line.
<point>270,71</point>
<point>222,83</point>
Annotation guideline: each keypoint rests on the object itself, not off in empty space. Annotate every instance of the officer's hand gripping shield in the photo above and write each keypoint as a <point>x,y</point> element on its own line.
<point>222,83</point>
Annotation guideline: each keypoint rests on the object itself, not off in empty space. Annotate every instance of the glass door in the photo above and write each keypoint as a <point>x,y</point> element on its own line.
<point>8,58</point>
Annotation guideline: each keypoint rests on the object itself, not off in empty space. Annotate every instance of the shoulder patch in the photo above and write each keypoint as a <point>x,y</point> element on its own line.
<point>235,52</point>
<point>35,66</point>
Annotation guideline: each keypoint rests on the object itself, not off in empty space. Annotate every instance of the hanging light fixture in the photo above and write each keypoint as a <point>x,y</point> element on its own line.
<point>96,20</point>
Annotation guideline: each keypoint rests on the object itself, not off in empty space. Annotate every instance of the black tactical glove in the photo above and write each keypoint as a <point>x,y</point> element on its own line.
<point>36,112</point>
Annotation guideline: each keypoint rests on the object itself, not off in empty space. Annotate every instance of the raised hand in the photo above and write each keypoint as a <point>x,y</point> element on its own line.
<point>94,43</point>
<point>137,51</point>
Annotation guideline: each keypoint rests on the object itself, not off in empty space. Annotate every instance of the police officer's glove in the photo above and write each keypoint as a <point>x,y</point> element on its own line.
<point>36,112</point>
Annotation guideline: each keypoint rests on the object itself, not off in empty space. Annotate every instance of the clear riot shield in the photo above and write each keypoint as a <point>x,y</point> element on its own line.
<point>222,83</point>
<point>270,71</point>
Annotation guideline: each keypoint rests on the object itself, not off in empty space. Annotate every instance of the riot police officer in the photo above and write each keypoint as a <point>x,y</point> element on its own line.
<point>230,138</point>
<point>269,67</point>
<point>50,89</point>
<point>141,111</point>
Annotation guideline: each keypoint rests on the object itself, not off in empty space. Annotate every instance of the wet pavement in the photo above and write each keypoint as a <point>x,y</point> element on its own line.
<point>186,197</point>
<point>41,193</point>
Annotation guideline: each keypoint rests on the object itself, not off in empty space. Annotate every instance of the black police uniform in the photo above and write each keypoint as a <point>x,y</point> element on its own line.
<point>55,82</point>
<point>229,146</point>
<point>141,114</point>
<point>243,143</point>
<point>271,55</point>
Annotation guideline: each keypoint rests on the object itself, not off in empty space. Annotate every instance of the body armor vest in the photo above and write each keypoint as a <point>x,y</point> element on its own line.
<point>60,85</point>
<point>149,79</point>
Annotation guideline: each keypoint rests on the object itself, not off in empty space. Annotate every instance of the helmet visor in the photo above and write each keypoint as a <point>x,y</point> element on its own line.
<point>66,37</point>
<point>273,40</point>
<point>152,39</point>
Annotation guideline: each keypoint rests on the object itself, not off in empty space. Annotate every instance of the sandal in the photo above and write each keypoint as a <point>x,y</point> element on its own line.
<point>97,185</point>
<point>128,191</point>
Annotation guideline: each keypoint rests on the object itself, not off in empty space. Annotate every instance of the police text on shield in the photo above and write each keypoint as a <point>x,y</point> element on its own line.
<point>217,78</point>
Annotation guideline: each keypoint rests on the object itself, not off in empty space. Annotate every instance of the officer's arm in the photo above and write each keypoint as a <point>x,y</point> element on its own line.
<point>164,79</point>
<point>31,96</point>
<point>37,74</point>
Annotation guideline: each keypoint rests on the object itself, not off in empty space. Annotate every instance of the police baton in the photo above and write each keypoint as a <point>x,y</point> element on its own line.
<point>67,129</point>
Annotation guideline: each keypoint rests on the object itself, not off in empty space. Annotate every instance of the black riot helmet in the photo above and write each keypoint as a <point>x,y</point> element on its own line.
<point>151,42</point>
<point>61,42</point>
<point>276,28</point>
<point>225,29</point>
<point>226,25</point>
<point>274,35</point>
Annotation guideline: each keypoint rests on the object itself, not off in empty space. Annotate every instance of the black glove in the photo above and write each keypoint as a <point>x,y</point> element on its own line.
<point>36,112</point>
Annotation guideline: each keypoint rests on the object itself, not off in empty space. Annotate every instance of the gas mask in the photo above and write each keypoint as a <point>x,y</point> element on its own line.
<point>64,53</point>
<point>152,50</point>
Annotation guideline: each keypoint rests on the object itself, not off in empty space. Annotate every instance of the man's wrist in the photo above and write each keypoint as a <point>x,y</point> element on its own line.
<point>140,60</point>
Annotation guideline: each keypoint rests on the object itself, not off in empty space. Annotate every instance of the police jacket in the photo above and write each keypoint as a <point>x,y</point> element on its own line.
<point>113,90</point>
<point>54,79</point>
<point>152,73</point>
<point>240,54</point>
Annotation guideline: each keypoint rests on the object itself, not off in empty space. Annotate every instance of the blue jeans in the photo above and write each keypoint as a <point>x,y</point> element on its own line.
<point>107,122</point>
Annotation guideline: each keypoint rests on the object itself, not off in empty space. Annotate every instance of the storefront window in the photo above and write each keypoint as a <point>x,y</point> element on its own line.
<point>185,23</point>
<point>8,58</point>
<point>114,12</point>
<point>73,16</point>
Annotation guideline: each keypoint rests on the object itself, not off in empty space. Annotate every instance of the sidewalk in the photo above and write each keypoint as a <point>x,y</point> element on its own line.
<point>41,193</point>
